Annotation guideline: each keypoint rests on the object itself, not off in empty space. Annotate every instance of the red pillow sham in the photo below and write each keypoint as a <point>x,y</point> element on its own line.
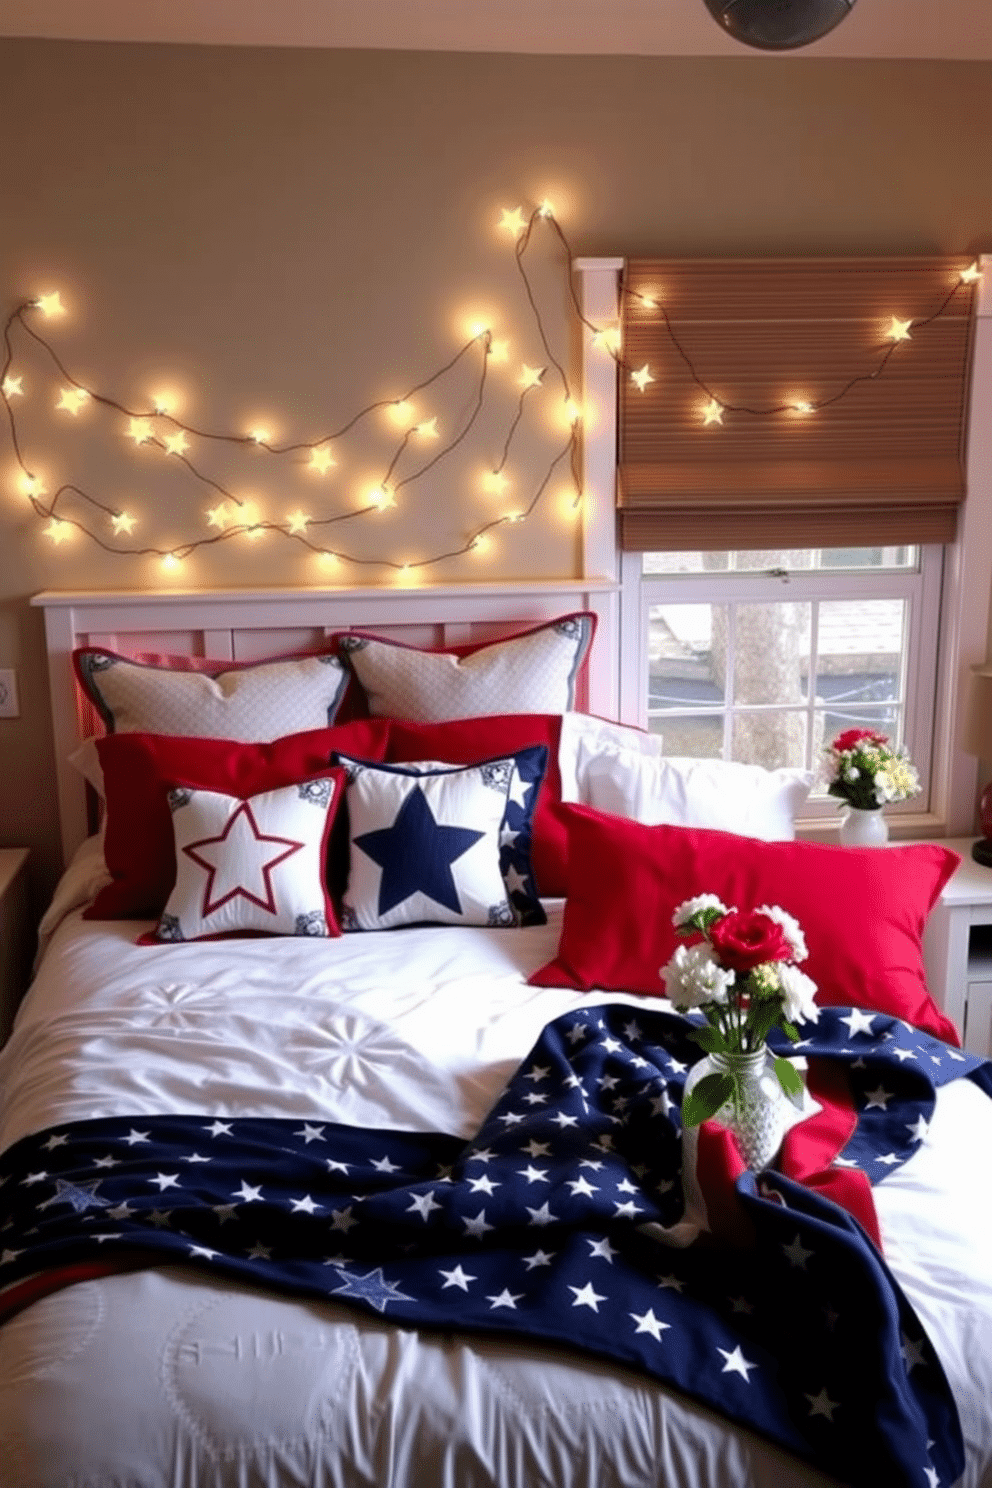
<point>862,910</point>
<point>138,770</point>
<point>463,741</point>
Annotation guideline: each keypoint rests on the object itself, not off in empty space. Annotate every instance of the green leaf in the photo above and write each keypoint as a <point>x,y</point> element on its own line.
<point>706,1098</point>
<point>709,1039</point>
<point>788,1077</point>
<point>790,1030</point>
<point>762,1019</point>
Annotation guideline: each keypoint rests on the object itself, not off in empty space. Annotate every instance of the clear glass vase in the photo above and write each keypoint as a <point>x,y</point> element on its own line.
<point>864,828</point>
<point>759,1113</point>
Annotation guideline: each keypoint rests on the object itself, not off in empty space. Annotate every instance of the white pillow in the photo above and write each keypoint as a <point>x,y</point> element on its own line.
<point>530,673</point>
<point>250,703</point>
<point>722,794</point>
<point>425,844</point>
<point>584,736</point>
<point>251,865</point>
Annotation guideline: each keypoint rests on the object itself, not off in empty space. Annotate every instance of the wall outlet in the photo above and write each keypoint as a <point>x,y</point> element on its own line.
<point>9,705</point>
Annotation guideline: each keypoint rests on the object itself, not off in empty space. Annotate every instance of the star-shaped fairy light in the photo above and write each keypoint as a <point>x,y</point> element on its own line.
<point>58,531</point>
<point>530,377</point>
<point>140,430</point>
<point>972,273</point>
<point>899,329</point>
<point>513,220</point>
<point>321,460</point>
<point>239,862</point>
<point>641,377</point>
<point>176,444</point>
<point>50,304</point>
<point>72,399</point>
<point>427,429</point>
<point>713,412</point>
<point>13,387</point>
<point>122,522</point>
<point>297,521</point>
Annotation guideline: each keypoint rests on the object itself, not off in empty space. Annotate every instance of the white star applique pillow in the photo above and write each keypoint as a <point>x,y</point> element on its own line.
<point>425,844</point>
<point>251,866</point>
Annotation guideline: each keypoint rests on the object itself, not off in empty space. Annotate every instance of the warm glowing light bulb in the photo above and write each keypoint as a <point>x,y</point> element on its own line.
<point>30,485</point>
<point>122,522</point>
<point>401,413</point>
<point>477,327</point>
<point>802,406</point>
<point>407,576</point>
<point>140,430</point>
<point>297,521</point>
<point>648,301</point>
<point>608,338</point>
<point>176,444</point>
<point>481,545</point>
<point>321,460</point>
<point>260,436</point>
<point>495,482</point>
<point>327,559</point>
<point>165,403</point>
<point>513,221</point>
<point>50,304</point>
<point>572,411</point>
<point>713,412</point>
<point>641,377</point>
<point>72,399</point>
<point>899,329</point>
<point>499,351</point>
<point>380,497</point>
<point>530,377</point>
<point>972,273</point>
<point>545,209</point>
<point>569,505</point>
<point>170,561</point>
<point>58,531</point>
<point>13,387</point>
<point>427,429</point>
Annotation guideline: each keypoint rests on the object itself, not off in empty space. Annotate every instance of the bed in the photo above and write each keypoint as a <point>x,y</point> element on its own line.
<point>414,1047</point>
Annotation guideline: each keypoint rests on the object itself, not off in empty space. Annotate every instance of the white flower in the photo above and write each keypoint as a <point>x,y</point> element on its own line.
<point>897,781</point>
<point>790,928</point>
<point>693,976</point>
<point>798,994</point>
<point>852,774</point>
<point>689,907</point>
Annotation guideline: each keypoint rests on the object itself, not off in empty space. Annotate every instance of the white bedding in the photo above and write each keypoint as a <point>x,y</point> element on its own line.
<point>165,1379</point>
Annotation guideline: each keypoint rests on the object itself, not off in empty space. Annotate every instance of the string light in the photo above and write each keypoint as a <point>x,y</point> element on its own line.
<point>122,523</point>
<point>297,522</point>
<point>642,377</point>
<point>72,400</point>
<point>899,329</point>
<point>513,221</point>
<point>321,461</point>
<point>58,531</point>
<point>50,304</point>
<point>175,444</point>
<point>530,377</point>
<point>13,387</point>
<point>972,273</point>
<point>713,412</point>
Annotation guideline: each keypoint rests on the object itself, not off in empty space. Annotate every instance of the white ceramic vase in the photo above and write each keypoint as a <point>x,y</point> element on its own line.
<point>760,1114</point>
<point>860,828</point>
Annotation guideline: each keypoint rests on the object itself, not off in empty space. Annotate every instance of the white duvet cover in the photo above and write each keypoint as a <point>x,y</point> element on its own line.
<point>166,1379</point>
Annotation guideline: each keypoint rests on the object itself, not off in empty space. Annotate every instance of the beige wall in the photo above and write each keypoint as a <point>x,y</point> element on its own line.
<point>293,234</point>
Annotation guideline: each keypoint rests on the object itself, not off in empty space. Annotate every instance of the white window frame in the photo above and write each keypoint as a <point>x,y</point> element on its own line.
<point>963,638</point>
<point>919,587</point>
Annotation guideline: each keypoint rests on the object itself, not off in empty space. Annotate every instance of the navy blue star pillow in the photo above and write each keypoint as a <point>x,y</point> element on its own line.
<point>442,844</point>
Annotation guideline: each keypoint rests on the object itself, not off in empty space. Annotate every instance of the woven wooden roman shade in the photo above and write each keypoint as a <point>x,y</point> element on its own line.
<point>882,464</point>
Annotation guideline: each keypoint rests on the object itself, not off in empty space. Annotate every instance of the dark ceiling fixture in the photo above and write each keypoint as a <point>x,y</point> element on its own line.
<point>778,25</point>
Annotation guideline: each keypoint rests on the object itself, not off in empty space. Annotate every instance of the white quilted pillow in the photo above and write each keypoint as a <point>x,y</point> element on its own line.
<point>250,703</point>
<point>530,673</point>
<point>720,794</point>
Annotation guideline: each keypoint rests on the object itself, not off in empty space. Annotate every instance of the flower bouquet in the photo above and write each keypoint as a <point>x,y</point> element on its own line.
<point>741,971</point>
<point>867,772</point>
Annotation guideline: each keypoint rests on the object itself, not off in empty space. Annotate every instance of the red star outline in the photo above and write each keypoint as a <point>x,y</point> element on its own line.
<point>269,903</point>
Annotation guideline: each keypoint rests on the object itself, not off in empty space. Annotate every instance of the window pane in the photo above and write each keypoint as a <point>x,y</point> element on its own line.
<point>682,667</point>
<point>774,738</point>
<point>698,735</point>
<point>771,653</point>
<point>860,652</point>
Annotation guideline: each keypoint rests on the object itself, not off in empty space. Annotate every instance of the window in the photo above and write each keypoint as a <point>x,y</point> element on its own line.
<point>764,657</point>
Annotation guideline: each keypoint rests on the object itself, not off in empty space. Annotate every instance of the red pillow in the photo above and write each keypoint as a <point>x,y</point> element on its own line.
<point>862,910</point>
<point>463,741</point>
<point>138,770</point>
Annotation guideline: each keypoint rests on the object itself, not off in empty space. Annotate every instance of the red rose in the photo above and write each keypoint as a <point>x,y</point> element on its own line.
<point>851,738</point>
<point>743,941</point>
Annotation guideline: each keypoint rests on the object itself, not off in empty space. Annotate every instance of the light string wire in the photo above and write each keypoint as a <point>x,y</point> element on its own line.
<point>901,331</point>
<point>297,527</point>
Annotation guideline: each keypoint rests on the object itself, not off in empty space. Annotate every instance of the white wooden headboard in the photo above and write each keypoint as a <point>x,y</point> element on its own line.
<point>244,624</point>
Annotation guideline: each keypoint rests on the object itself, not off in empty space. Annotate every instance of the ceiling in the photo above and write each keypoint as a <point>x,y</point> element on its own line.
<point>949,29</point>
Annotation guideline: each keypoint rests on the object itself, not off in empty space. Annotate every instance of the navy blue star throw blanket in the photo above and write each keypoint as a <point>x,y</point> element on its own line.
<point>555,1223</point>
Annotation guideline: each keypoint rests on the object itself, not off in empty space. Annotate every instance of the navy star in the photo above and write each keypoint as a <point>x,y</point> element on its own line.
<point>822,1405</point>
<point>372,1288</point>
<point>416,854</point>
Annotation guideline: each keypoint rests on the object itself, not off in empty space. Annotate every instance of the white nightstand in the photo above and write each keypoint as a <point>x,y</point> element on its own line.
<point>15,934</point>
<point>958,948</point>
